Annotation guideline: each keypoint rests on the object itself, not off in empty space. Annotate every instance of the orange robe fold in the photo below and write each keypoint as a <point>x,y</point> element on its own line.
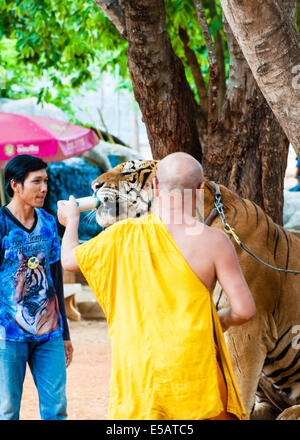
<point>161,321</point>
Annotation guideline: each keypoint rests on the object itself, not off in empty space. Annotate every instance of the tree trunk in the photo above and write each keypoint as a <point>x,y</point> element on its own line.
<point>269,40</point>
<point>247,149</point>
<point>159,80</point>
<point>244,146</point>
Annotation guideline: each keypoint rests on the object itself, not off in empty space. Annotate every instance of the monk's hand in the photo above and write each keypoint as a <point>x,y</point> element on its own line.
<point>67,210</point>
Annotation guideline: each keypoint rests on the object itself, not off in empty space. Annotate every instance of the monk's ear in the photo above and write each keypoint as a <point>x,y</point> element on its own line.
<point>155,186</point>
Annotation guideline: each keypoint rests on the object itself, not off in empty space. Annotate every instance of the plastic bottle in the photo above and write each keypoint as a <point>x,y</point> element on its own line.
<point>87,203</point>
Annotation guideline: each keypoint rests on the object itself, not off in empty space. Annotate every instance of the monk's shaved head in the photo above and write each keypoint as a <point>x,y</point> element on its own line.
<point>179,171</point>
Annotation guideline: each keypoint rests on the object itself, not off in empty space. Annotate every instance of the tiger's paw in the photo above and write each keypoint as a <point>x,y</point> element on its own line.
<point>263,411</point>
<point>291,413</point>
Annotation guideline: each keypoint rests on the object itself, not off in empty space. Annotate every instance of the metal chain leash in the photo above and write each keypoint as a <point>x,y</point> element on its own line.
<point>229,230</point>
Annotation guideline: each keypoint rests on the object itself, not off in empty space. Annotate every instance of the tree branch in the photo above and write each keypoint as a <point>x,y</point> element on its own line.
<point>114,13</point>
<point>219,45</point>
<point>211,53</point>
<point>271,47</point>
<point>159,82</point>
<point>196,71</point>
<point>239,68</point>
<point>289,7</point>
<point>214,74</point>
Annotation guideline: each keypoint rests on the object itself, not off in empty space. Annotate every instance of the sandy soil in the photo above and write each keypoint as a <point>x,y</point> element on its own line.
<point>87,376</point>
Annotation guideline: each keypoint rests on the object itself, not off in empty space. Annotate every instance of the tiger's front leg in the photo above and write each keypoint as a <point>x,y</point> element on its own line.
<point>247,353</point>
<point>265,407</point>
<point>247,350</point>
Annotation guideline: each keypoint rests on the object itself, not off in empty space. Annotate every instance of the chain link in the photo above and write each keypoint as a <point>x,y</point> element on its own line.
<point>229,230</point>
<point>219,207</point>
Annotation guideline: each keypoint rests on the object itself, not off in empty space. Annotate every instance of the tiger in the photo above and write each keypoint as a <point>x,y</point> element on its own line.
<point>264,352</point>
<point>36,312</point>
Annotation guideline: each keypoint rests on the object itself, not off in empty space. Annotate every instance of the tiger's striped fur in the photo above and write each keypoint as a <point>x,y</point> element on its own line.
<point>265,351</point>
<point>36,312</point>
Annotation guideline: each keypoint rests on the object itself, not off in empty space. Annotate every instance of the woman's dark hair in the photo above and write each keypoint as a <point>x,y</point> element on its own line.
<point>19,167</point>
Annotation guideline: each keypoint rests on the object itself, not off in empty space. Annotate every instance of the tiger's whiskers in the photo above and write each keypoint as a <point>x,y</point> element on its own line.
<point>90,216</point>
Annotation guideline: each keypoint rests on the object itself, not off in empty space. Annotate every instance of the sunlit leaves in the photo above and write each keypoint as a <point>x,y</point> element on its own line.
<point>65,35</point>
<point>69,39</point>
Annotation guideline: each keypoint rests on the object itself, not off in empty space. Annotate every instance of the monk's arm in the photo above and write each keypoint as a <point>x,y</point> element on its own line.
<point>69,216</point>
<point>231,278</point>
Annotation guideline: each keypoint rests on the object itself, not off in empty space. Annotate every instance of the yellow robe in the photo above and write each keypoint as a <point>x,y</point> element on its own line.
<point>161,321</point>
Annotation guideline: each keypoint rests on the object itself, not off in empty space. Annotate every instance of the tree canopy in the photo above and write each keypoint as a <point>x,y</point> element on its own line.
<point>67,41</point>
<point>70,42</point>
<point>195,88</point>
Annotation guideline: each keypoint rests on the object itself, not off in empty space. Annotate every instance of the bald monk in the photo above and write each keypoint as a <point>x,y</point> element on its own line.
<point>154,277</point>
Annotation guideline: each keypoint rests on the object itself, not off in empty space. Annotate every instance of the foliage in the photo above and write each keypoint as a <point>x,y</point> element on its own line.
<point>59,43</point>
<point>66,36</point>
<point>182,13</point>
<point>11,71</point>
<point>69,43</point>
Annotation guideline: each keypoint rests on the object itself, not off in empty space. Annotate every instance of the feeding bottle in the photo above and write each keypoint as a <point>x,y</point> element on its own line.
<point>86,203</point>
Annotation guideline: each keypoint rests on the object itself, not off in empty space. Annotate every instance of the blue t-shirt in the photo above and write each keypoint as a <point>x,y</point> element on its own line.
<point>29,308</point>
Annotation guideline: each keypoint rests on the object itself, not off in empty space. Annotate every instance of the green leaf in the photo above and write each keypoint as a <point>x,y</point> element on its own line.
<point>70,42</point>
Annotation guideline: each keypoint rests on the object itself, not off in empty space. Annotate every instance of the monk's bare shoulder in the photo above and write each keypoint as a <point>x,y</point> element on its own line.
<point>211,237</point>
<point>216,236</point>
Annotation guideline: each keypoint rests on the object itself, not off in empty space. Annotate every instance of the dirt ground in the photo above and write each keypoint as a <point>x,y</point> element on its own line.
<point>87,376</point>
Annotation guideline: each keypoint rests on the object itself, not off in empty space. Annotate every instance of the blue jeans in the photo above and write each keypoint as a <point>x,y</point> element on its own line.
<point>48,367</point>
<point>295,188</point>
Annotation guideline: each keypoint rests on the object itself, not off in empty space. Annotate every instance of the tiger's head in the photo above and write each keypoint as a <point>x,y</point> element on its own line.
<point>125,191</point>
<point>30,277</point>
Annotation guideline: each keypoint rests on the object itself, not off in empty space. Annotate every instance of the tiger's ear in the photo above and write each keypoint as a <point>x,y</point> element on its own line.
<point>155,186</point>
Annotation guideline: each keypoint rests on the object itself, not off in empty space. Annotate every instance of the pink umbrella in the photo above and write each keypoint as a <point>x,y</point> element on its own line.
<point>51,139</point>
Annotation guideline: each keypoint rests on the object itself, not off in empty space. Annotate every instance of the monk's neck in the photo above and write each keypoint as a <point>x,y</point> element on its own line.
<point>175,216</point>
